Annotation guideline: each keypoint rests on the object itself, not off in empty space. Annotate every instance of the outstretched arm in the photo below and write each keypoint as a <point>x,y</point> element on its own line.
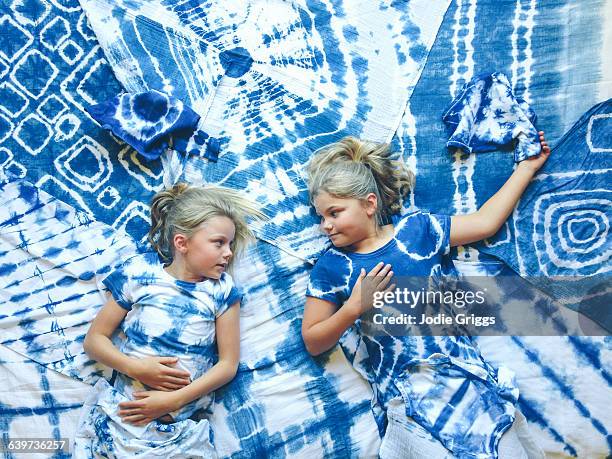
<point>491,216</point>
<point>151,405</point>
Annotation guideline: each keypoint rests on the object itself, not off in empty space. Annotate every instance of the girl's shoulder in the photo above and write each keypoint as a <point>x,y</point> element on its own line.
<point>423,232</point>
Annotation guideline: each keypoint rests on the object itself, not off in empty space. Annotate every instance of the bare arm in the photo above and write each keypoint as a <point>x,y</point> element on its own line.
<point>323,325</point>
<point>491,216</point>
<point>151,405</point>
<point>153,371</point>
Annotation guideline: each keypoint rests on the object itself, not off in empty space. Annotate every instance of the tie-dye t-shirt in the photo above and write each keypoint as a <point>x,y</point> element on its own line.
<point>447,386</point>
<point>169,317</point>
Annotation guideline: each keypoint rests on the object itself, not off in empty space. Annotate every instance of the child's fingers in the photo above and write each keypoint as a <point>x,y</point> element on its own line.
<point>384,281</point>
<point>167,360</point>
<point>381,269</point>
<point>132,412</point>
<point>175,372</point>
<point>162,388</point>
<point>176,380</point>
<point>131,404</point>
<point>376,269</point>
<point>170,386</point>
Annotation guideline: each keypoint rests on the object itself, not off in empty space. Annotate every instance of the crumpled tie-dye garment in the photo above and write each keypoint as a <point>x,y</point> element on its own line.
<point>149,121</point>
<point>486,116</point>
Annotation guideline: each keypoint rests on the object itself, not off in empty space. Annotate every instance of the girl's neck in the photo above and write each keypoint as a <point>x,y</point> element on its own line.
<point>180,272</point>
<point>378,238</point>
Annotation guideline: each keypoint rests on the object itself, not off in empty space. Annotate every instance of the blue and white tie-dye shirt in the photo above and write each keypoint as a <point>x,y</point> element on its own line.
<point>169,317</point>
<point>447,386</point>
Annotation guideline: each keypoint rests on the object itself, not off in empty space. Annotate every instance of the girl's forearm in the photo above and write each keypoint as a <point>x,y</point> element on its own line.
<point>101,349</point>
<point>326,334</point>
<point>499,207</point>
<point>219,374</point>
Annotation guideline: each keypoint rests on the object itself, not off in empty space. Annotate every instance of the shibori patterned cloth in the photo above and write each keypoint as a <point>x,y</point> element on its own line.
<point>52,67</point>
<point>445,383</point>
<point>486,116</point>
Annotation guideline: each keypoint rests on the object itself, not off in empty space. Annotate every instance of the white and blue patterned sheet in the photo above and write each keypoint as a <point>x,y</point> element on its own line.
<point>51,68</point>
<point>52,259</point>
<point>319,72</point>
<point>568,210</point>
<point>37,401</point>
<point>531,42</point>
<point>535,46</point>
<point>486,116</point>
<point>281,403</point>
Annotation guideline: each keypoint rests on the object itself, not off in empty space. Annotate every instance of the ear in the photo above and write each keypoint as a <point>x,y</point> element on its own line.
<point>180,242</point>
<point>371,204</point>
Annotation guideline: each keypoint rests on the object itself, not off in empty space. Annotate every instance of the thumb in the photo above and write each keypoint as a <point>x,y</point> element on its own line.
<point>139,394</point>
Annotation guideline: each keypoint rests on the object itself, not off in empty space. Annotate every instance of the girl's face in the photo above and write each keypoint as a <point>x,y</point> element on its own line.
<point>208,251</point>
<point>346,221</point>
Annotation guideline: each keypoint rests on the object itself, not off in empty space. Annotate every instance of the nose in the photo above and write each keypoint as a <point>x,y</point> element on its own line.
<point>326,226</point>
<point>228,253</point>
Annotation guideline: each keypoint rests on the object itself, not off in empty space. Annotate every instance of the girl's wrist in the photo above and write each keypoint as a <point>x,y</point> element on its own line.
<point>352,309</point>
<point>130,367</point>
<point>180,397</point>
<point>526,167</point>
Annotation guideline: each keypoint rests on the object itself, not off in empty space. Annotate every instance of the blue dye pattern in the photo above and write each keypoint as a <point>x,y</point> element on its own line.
<point>51,69</point>
<point>558,105</point>
<point>446,385</point>
<point>486,116</point>
<point>566,211</point>
<point>169,317</point>
<point>149,121</point>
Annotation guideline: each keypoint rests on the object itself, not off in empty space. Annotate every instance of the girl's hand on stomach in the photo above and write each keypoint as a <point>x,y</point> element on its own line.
<point>157,373</point>
<point>148,406</point>
<point>362,296</point>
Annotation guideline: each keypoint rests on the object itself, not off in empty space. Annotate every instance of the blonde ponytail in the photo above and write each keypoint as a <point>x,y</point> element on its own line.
<point>352,168</point>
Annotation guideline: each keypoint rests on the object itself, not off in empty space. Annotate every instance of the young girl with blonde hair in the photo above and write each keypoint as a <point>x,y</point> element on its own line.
<point>441,398</point>
<point>179,311</point>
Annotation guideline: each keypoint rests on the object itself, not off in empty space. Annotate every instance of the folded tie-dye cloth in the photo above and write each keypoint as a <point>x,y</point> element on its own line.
<point>486,116</point>
<point>149,121</point>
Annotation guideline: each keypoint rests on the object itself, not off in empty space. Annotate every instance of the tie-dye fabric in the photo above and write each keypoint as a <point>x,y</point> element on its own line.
<point>555,55</point>
<point>446,385</point>
<point>486,116</point>
<point>53,259</point>
<point>101,432</point>
<point>168,317</point>
<point>51,68</point>
<point>148,121</point>
<point>568,209</point>
<point>273,87</point>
